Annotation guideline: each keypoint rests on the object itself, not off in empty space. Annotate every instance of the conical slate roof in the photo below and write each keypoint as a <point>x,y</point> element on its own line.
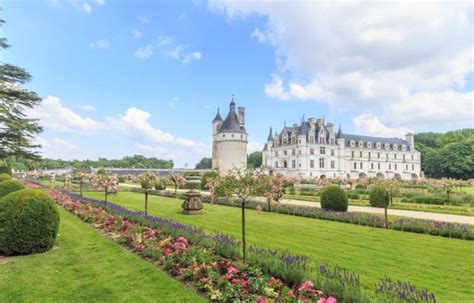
<point>231,123</point>
<point>218,116</point>
<point>270,135</point>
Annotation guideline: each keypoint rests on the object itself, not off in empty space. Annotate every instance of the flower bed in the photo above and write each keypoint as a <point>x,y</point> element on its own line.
<point>190,259</point>
<point>432,227</point>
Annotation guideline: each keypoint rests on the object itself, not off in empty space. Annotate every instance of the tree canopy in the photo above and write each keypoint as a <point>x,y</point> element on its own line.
<point>449,155</point>
<point>17,131</point>
<point>254,160</point>
<point>205,163</point>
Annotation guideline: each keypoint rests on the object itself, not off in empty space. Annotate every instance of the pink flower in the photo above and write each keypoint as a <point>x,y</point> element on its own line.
<point>306,285</point>
<point>167,251</point>
<point>331,300</point>
<point>262,300</point>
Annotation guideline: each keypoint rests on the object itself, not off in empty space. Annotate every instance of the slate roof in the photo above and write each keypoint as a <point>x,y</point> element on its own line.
<point>270,135</point>
<point>390,141</point>
<point>231,123</point>
<point>218,116</point>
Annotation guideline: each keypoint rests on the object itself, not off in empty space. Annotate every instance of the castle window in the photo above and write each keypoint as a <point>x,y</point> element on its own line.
<point>276,164</point>
<point>299,152</point>
<point>395,166</point>
<point>352,154</point>
<point>371,165</point>
<point>321,162</point>
<point>413,167</point>
<point>403,157</point>
<point>223,135</point>
<point>369,155</point>
<point>333,164</point>
<point>355,165</point>
<point>395,156</point>
<point>412,158</point>
<point>311,163</point>
<point>322,150</point>
<point>241,136</point>
<point>332,141</point>
<point>299,164</point>
<point>386,156</point>
<point>322,140</point>
<point>311,151</point>
<point>389,166</point>
<point>332,152</point>
<point>232,135</point>
<point>276,153</point>
<point>285,152</point>
<point>378,165</point>
<point>352,143</point>
<point>311,139</point>
<point>406,167</point>
<point>378,145</point>
<point>285,164</point>
<point>369,144</point>
<point>293,163</point>
<point>293,152</point>
<point>360,154</point>
<point>360,165</point>
<point>378,155</point>
<point>361,144</point>
<point>299,141</point>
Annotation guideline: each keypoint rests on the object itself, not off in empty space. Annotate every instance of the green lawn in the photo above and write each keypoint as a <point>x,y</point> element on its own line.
<point>86,267</point>
<point>444,266</point>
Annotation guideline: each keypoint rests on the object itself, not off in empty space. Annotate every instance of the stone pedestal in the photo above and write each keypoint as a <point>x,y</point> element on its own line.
<point>192,205</point>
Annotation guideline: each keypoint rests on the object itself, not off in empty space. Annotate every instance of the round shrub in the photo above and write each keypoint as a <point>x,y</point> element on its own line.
<point>6,170</point>
<point>29,222</point>
<point>4,177</point>
<point>207,177</point>
<point>160,184</point>
<point>10,186</point>
<point>378,197</point>
<point>334,198</point>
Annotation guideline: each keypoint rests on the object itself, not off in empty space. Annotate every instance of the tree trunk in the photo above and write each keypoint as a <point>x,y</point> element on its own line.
<point>447,192</point>
<point>386,216</point>
<point>269,206</point>
<point>146,203</point>
<point>391,197</point>
<point>244,244</point>
<point>176,191</point>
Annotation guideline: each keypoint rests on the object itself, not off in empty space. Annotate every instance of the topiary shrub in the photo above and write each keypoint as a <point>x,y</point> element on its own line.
<point>10,186</point>
<point>160,184</point>
<point>334,198</point>
<point>207,177</point>
<point>29,222</point>
<point>4,177</point>
<point>6,170</point>
<point>378,197</point>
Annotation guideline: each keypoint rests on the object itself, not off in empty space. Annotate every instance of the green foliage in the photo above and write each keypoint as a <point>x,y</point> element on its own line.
<point>4,177</point>
<point>136,161</point>
<point>430,200</point>
<point>205,163</point>
<point>9,186</point>
<point>160,184</point>
<point>207,177</point>
<point>4,169</point>
<point>334,198</point>
<point>378,197</point>
<point>448,155</point>
<point>121,179</point>
<point>17,131</point>
<point>30,222</point>
<point>254,160</point>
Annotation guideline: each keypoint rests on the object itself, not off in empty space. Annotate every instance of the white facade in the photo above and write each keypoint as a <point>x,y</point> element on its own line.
<point>229,140</point>
<point>313,149</point>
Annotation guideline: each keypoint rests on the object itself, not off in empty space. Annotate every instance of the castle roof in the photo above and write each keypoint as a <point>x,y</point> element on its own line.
<point>339,133</point>
<point>231,123</point>
<point>270,135</point>
<point>218,116</point>
<point>382,140</point>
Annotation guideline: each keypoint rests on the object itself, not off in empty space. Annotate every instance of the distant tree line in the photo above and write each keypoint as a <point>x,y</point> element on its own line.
<point>449,155</point>
<point>136,161</point>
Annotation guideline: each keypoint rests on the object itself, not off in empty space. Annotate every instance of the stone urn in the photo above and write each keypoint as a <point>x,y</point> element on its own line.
<point>192,205</point>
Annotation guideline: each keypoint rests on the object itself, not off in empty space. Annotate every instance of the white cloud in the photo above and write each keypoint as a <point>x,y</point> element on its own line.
<point>371,125</point>
<point>137,34</point>
<point>87,107</point>
<point>99,44</point>
<point>164,40</point>
<point>55,147</point>
<point>191,56</point>
<point>144,52</point>
<point>86,7</point>
<point>100,2</point>
<point>173,102</point>
<point>144,19</point>
<point>52,114</point>
<point>355,55</point>
<point>83,6</point>
<point>254,146</point>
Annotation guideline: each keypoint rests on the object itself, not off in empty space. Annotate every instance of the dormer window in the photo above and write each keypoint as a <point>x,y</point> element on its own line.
<point>369,144</point>
<point>352,143</point>
<point>387,146</point>
<point>361,144</point>
<point>404,147</point>
<point>395,147</point>
<point>378,145</point>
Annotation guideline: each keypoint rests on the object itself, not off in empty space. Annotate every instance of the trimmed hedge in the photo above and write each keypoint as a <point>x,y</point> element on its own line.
<point>206,177</point>
<point>430,200</point>
<point>4,177</point>
<point>6,170</point>
<point>29,222</point>
<point>378,197</point>
<point>334,198</point>
<point>10,186</point>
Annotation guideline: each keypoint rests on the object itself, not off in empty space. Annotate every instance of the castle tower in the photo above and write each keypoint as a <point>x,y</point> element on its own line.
<point>229,144</point>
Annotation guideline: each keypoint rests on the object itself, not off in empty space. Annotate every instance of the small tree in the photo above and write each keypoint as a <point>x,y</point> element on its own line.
<point>242,185</point>
<point>273,189</point>
<point>147,181</point>
<point>81,177</point>
<point>379,197</point>
<point>178,181</point>
<point>67,182</point>
<point>213,184</point>
<point>107,182</point>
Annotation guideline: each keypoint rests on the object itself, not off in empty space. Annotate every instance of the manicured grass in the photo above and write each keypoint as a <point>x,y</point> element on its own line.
<point>444,266</point>
<point>86,267</point>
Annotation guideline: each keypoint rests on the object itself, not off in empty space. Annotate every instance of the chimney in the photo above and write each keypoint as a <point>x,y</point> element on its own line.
<point>320,122</point>
<point>241,115</point>
<point>311,122</point>
<point>330,127</point>
<point>411,139</point>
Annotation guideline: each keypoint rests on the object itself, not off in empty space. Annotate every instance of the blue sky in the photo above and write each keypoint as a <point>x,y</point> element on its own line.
<point>146,77</point>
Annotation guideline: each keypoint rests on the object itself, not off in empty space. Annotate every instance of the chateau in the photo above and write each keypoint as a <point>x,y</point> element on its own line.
<point>314,149</point>
<point>229,140</point>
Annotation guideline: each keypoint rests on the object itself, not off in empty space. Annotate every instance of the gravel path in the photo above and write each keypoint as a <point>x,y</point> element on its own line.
<point>395,212</point>
<point>375,210</point>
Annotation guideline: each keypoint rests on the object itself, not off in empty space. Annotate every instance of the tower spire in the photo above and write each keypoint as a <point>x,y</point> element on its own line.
<point>270,135</point>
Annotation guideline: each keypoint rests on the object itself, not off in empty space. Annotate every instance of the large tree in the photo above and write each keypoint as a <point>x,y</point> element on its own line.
<point>16,129</point>
<point>205,163</point>
<point>254,160</point>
